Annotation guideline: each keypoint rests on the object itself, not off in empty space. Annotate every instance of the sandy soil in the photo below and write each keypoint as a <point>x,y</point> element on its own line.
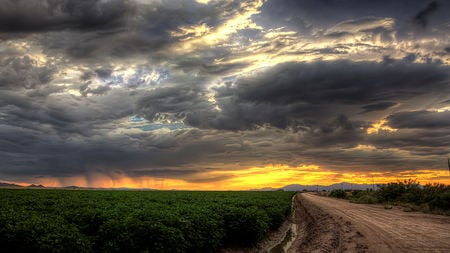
<point>331,225</point>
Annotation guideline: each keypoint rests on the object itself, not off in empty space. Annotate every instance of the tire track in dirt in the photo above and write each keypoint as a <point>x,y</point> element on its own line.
<point>332,225</point>
<point>320,232</point>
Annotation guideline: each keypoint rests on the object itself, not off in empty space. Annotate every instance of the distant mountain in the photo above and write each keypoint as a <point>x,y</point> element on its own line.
<point>36,186</point>
<point>299,187</point>
<point>72,187</point>
<point>9,185</point>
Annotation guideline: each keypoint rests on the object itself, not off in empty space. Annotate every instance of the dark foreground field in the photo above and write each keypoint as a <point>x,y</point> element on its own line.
<point>136,221</point>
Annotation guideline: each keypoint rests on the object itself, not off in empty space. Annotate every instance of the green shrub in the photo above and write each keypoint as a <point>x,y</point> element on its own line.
<point>431,197</point>
<point>365,199</point>
<point>441,201</point>
<point>338,193</point>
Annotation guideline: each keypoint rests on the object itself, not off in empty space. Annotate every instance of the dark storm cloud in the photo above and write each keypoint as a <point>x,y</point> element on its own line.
<point>160,155</point>
<point>346,82</point>
<point>52,156</point>
<point>381,106</point>
<point>41,15</point>
<point>183,154</point>
<point>103,72</point>
<point>101,90</point>
<point>432,140</point>
<point>339,132</point>
<point>189,175</point>
<point>203,63</point>
<point>313,17</point>
<point>296,94</point>
<point>180,154</point>
<point>421,18</point>
<point>178,100</point>
<point>37,117</point>
<point>24,72</point>
<point>286,14</point>
<point>410,58</point>
<point>325,13</point>
<point>420,119</point>
<point>82,50</point>
<point>64,115</point>
<point>93,30</point>
<point>382,159</point>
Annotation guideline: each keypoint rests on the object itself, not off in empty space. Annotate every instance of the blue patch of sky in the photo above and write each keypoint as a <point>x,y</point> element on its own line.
<point>136,118</point>
<point>139,77</point>
<point>229,78</point>
<point>156,126</point>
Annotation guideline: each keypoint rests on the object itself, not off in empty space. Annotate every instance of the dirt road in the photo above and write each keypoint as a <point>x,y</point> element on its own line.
<point>331,225</point>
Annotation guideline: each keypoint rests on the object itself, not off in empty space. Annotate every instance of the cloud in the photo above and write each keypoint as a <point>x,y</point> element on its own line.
<point>177,101</point>
<point>86,90</point>
<point>421,18</point>
<point>135,154</point>
<point>340,132</point>
<point>24,73</point>
<point>35,16</point>
<point>381,106</point>
<point>351,83</point>
<point>65,115</point>
<point>420,119</point>
<point>330,12</point>
<point>363,24</point>
<point>293,94</point>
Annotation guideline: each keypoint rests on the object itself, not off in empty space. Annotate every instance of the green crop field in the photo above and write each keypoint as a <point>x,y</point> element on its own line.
<point>136,221</point>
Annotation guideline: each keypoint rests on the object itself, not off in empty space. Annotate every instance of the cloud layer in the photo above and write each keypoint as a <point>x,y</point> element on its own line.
<point>195,91</point>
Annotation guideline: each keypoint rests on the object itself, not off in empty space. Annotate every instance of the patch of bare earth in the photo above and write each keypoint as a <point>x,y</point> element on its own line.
<point>331,225</point>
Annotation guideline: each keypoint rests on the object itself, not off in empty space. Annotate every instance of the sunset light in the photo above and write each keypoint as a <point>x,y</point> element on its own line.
<point>275,176</point>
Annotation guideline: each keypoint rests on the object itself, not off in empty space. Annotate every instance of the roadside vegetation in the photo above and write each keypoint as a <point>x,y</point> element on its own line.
<point>137,221</point>
<point>410,194</point>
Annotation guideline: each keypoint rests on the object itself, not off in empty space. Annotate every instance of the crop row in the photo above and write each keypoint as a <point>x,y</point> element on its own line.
<point>136,221</point>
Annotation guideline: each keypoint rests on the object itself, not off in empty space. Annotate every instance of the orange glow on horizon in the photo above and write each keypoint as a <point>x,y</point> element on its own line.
<point>274,176</point>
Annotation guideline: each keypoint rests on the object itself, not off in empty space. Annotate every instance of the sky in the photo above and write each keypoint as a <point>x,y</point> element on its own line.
<point>221,94</point>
